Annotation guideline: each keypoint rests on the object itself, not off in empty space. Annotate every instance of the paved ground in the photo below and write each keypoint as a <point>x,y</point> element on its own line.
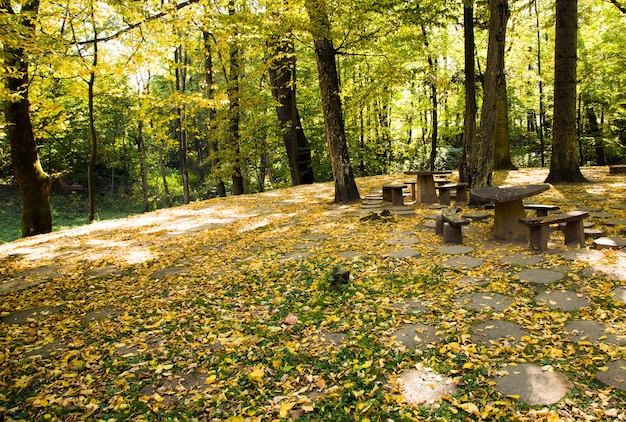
<point>502,288</point>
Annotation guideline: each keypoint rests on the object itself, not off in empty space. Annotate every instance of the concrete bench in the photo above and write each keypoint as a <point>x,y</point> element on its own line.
<point>394,194</point>
<point>449,224</point>
<point>445,190</point>
<point>538,228</point>
<point>541,209</point>
<point>412,186</point>
<point>617,169</point>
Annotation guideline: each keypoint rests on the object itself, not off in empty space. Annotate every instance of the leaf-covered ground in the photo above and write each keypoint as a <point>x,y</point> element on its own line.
<point>226,310</point>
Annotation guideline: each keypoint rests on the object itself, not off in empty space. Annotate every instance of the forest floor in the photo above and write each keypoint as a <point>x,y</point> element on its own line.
<point>226,310</point>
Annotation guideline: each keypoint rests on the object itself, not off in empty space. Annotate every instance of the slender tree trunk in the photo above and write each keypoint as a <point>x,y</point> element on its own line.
<point>33,182</point>
<point>168,196</point>
<point>596,132</point>
<point>92,129</point>
<point>234,109</point>
<point>481,164</point>
<point>469,133</point>
<point>213,146</point>
<point>564,162</point>
<point>542,112</point>
<point>180,61</point>
<point>346,190</point>
<point>141,151</point>
<point>432,84</point>
<point>502,147</point>
<point>282,76</point>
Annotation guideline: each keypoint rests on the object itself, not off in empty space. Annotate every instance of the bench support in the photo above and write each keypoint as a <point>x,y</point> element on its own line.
<point>452,234</point>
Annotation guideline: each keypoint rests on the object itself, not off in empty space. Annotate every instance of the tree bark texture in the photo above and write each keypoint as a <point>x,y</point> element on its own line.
<point>502,147</point>
<point>346,190</point>
<point>471,109</point>
<point>180,61</point>
<point>33,182</point>
<point>213,146</point>
<point>283,81</point>
<point>234,109</point>
<point>481,160</point>
<point>564,162</point>
<point>596,132</point>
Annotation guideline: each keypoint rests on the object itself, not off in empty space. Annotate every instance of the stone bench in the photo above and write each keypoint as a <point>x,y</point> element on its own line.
<point>541,209</point>
<point>394,194</point>
<point>617,169</point>
<point>449,224</point>
<point>412,186</point>
<point>538,228</point>
<point>445,190</point>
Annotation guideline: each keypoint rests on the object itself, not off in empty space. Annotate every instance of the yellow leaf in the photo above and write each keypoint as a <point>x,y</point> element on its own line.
<point>468,365</point>
<point>470,408</point>
<point>257,374</point>
<point>210,379</point>
<point>603,368</point>
<point>285,408</point>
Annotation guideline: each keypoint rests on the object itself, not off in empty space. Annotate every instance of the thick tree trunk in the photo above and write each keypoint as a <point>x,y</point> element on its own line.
<point>282,75</point>
<point>32,180</point>
<point>469,133</point>
<point>481,164</point>
<point>564,163</point>
<point>502,147</point>
<point>346,190</point>
<point>213,147</point>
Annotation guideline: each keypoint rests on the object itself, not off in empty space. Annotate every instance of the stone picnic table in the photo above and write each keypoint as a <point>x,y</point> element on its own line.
<point>425,190</point>
<point>509,207</point>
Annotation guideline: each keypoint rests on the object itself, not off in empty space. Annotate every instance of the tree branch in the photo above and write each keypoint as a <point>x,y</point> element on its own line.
<point>132,26</point>
<point>620,6</point>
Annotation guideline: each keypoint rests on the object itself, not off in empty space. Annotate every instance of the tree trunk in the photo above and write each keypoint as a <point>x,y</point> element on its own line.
<point>282,75</point>
<point>168,197</point>
<point>92,128</point>
<point>596,132</point>
<point>141,151</point>
<point>213,147</point>
<point>481,160</point>
<point>542,112</point>
<point>502,147</point>
<point>234,110</point>
<point>346,190</point>
<point>469,133</point>
<point>33,182</point>
<point>180,61</point>
<point>432,83</point>
<point>564,164</point>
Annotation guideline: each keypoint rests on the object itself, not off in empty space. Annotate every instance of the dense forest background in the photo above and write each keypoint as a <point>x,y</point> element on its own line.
<point>175,102</point>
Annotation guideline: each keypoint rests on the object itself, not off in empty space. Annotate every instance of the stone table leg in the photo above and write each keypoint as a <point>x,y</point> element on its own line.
<point>506,221</point>
<point>426,193</point>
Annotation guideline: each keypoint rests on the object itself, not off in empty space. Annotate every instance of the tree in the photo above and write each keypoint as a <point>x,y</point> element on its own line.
<point>346,190</point>
<point>564,164</point>
<point>469,125</point>
<point>34,183</point>
<point>282,76</point>
<point>481,158</point>
<point>502,146</point>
